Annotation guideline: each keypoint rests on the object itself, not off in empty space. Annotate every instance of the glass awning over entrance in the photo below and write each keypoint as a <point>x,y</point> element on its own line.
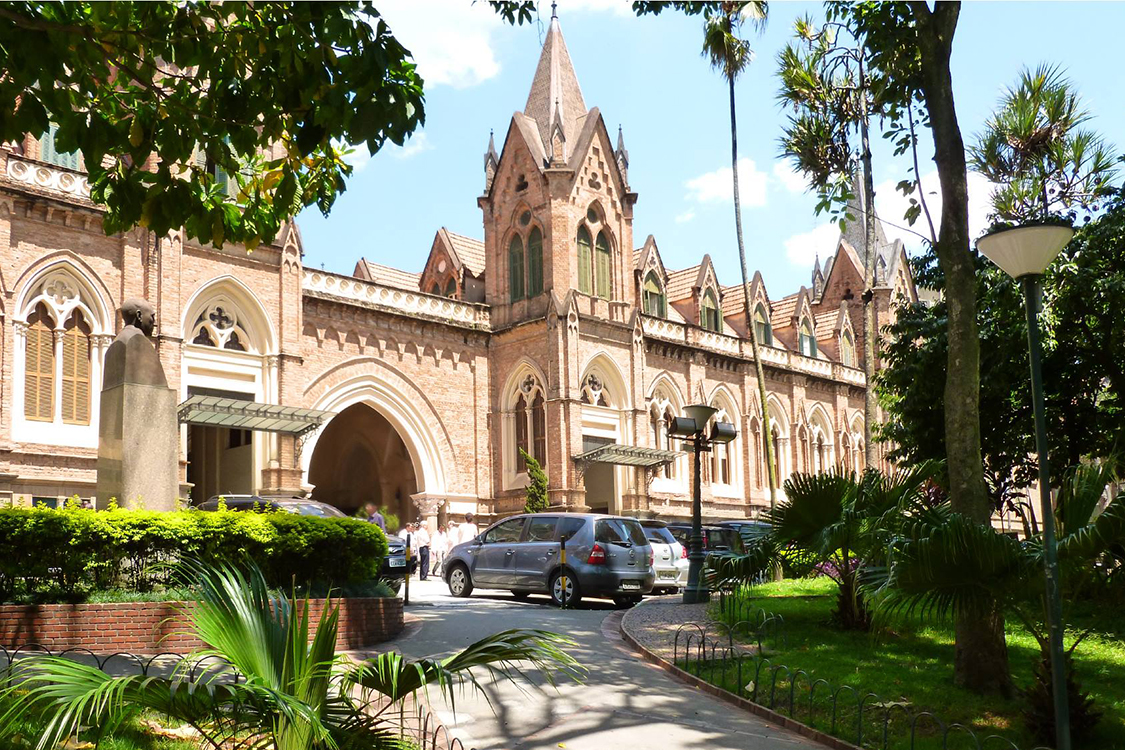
<point>236,414</point>
<point>628,455</point>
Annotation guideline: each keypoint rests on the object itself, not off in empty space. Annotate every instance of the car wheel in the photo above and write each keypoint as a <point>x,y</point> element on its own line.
<point>521,595</point>
<point>573,593</point>
<point>460,584</point>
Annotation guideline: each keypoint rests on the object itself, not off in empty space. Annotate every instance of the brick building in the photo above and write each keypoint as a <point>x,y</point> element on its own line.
<point>559,333</point>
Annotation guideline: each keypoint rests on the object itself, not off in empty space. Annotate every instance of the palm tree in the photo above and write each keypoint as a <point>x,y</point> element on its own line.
<point>835,523</point>
<point>942,563</point>
<point>730,54</point>
<point>269,685</point>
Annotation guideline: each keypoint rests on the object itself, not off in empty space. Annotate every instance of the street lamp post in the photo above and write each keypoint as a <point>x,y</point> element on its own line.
<point>692,428</point>
<point>1024,254</point>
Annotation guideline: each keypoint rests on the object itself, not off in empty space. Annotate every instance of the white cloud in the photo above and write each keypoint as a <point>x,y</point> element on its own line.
<point>358,157</point>
<point>718,186</point>
<point>802,249</point>
<point>790,179</point>
<point>891,205</point>
<point>451,40</point>
<point>685,216</point>
<point>416,145</point>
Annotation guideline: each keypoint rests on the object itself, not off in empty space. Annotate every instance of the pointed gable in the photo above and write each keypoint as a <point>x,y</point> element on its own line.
<point>396,278</point>
<point>647,258</point>
<point>555,96</point>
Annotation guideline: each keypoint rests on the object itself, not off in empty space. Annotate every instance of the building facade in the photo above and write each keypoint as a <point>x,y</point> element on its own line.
<point>559,334</point>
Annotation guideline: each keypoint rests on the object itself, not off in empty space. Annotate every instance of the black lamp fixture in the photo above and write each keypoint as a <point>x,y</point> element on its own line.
<point>692,429</point>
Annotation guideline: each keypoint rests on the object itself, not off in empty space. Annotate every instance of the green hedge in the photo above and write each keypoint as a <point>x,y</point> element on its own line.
<point>48,554</point>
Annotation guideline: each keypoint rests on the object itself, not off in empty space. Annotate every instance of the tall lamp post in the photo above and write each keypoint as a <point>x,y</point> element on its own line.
<point>1024,254</point>
<point>692,430</point>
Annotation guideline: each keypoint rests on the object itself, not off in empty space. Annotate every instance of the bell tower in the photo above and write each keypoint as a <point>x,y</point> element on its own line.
<point>557,206</point>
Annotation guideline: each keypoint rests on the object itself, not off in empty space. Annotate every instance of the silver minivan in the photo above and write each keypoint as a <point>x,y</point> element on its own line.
<point>606,556</point>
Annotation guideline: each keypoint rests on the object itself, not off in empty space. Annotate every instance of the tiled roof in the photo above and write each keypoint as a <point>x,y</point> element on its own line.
<point>680,283</point>
<point>392,277</point>
<point>825,323</point>
<point>732,300</point>
<point>782,313</point>
<point>470,251</point>
<point>555,90</point>
<point>637,257</point>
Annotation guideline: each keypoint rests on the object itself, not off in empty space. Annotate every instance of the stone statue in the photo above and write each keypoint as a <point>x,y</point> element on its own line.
<point>138,435</point>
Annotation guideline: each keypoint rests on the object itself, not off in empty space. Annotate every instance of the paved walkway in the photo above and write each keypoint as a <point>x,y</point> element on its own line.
<point>623,703</point>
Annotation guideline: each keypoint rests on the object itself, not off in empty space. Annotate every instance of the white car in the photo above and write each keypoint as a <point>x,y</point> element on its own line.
<point>670,561</point>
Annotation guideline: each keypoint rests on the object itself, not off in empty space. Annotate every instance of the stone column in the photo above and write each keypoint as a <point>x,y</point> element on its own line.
<point>428,507</point>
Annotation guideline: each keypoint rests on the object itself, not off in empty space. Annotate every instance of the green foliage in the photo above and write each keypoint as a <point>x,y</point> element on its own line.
<point>292,692</point>
<point>268,92</point>
<point>65,554</point>
<point>1083,325</point>
<point>1034,146</point>
<point>537,500</point>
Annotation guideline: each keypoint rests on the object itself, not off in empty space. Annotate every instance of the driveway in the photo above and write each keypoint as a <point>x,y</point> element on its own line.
<point>623,703</point>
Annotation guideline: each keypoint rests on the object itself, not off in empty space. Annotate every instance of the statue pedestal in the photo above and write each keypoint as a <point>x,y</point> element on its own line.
<point>138,447</point>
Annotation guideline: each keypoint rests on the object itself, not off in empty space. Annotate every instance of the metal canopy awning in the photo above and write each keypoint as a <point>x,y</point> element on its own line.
<point>628,455</point>
<point>237,414</point>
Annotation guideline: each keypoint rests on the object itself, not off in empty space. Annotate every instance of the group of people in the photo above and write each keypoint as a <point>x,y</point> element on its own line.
<point>430,551</point>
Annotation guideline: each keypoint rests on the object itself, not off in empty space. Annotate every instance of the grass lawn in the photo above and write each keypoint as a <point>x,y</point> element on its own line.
<point>137,734</point>
<point>913,664</point>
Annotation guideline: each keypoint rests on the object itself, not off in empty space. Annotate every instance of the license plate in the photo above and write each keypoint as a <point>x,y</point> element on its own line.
<point>630,584</point>
<point>398,562</point>
<point>667,574</point>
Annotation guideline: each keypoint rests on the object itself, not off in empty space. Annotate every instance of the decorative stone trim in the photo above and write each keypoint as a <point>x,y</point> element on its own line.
<point>402,301</point>
<point>151,627</point>
<point>46,177</point>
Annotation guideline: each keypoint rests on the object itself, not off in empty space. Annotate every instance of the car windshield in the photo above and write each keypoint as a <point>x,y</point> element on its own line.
<point>621,531</point>
<point>659,535</point>
<point>721,538</point>
<point>313,509</point>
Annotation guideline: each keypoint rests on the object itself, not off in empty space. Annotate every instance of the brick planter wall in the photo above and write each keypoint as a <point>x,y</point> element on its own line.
<point>150,627</point>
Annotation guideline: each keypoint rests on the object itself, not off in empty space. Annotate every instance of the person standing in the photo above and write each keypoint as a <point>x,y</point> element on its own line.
<point>422,534</point>
<point>467,531</point>
<point>375,517</point>
<point>439,546</point>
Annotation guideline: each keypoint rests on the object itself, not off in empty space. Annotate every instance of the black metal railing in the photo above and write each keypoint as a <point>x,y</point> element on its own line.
<point>846,712</point>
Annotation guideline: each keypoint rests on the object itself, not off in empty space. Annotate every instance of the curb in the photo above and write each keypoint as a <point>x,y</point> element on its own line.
<point>746,705</point>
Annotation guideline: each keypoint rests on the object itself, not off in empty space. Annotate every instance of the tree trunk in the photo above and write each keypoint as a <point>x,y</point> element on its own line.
<point>759,370</point>
<point>981,662</point>
<point>870,317</point>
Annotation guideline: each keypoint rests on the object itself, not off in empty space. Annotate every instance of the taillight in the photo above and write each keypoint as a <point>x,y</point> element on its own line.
<point>683,552</point>
<point>651,557</point>
<point>597,555</point>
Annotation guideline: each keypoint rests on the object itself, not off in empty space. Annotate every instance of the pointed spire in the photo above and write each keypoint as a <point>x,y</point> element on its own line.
<point>555,93</point>
<point>622,155</point>
<point>491,162</point>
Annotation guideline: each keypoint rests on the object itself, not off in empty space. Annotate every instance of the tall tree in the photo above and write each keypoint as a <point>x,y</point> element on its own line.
<point>730,54</point>
<point>824,79</point>
<point>162,98</point>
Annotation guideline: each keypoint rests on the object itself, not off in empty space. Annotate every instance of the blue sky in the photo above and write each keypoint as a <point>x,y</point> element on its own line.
<point>646,74</point>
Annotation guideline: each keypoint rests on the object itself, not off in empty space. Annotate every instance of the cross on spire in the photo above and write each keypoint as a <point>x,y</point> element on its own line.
<point>554,11</point>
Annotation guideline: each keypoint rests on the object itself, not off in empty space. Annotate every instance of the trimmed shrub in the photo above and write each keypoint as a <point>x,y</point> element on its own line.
<point>64,554</point>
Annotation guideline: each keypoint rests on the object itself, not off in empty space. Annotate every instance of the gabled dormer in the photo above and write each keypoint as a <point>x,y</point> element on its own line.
<point>835,336</point>
<point>455,267</point>
<point>695,293</point>
<point>734,310</point>
<point>651,280</point>
<point>794,324</point>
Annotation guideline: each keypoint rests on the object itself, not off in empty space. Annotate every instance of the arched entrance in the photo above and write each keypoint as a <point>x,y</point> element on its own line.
<point>361,458</point>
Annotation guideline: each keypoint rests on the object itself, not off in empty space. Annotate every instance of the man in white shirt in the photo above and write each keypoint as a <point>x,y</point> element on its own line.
<point>422,538</point>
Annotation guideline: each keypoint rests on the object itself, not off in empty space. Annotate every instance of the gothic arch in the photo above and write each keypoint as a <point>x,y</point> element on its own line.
<point>248,312</point>
<point>523,367</point>
<point>371,381</point>
<point>675,396</point>
<point>88,292</point>
<point>614,390</point>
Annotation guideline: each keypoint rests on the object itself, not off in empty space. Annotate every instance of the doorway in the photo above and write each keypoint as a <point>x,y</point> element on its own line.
<point>600,478</point>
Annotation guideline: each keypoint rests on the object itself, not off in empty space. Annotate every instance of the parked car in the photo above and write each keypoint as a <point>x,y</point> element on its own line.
<point>716,539</point>
<point>606,556</point>
<point>747,529</point>
<point>393,569</point>
<point>266,503</point>
<point>670,561</point>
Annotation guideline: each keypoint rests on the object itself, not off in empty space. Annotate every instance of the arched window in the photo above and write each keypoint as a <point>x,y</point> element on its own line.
<point>602,270</point>
<point>39,367</point>
<point>451,288</point>
<point>847,349</point>
<point>76,351</point>
<point>662,414</point>
<point>515,268</point>
<point>721,455</point>
<point>436,289</point>
<point>535,263</point>
<point>763,329</point>
<point>219,326</point>
<point>709,313</point>
<point>653,297</point>
<point>585,260</point>
<point>806,340</point>
<point>775,435</point>
<point>529,414</point>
